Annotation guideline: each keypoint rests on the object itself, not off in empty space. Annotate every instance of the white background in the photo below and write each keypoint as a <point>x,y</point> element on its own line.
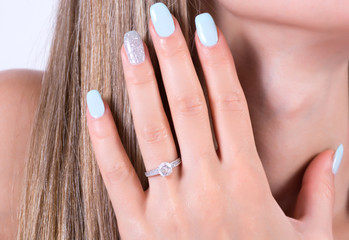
<point>26,28</point>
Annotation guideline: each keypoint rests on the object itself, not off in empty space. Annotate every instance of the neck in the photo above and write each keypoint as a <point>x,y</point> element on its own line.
<point>296,85</point>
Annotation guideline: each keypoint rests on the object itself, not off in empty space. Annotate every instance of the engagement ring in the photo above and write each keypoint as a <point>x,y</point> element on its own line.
<point>164,169</point>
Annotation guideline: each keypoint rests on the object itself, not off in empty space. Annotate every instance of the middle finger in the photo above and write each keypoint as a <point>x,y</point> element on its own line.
<point>185,95</point>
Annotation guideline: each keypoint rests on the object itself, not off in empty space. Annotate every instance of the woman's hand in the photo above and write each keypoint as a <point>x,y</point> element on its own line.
<point>221,194</point>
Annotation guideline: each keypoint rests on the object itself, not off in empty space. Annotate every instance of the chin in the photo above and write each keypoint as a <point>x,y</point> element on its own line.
<point>330,16</point>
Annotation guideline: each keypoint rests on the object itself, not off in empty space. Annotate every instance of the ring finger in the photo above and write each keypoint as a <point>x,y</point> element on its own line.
<point>152,128</point>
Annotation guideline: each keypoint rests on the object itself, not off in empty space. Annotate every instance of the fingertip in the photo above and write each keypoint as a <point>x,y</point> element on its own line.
<point>95,104</point>
<point>337,158</point>
<point>125,59</point>
<point>175,36</point>
<point>206,29</point>
<point>320,165</point>
<point>316,198</point>
<point>151,26</point>
<point>99,115</point>
<point>221,44</point>
<point>123,55</point>
<point>162,19</point>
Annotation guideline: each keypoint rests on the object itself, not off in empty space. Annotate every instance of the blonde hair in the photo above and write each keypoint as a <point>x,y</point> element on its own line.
<point>63,193</point>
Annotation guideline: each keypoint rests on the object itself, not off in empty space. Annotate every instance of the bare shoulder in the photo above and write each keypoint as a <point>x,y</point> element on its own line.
<point>19,86</point>
<point>20,80</point>
<point>19,97</point>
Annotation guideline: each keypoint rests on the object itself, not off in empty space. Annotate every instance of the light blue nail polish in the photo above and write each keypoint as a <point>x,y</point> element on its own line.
<point>162,19</point>
<point>337,158</point>
<point>206,29</point>
<point>95,104</point>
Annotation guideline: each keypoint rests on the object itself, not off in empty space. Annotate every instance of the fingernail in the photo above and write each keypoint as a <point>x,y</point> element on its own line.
<point>206,29</point>
<point>337,158</point>
<point>95,104</point>
<point>162,19</point>
<point>134,47</point>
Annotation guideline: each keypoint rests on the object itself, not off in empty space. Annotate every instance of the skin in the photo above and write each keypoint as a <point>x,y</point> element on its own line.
<point>19,97</point>
<point>204,195</point>
<point>293,67</point>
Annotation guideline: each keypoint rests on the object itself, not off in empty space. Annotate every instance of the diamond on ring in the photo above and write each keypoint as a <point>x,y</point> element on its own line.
<point>164,169</point>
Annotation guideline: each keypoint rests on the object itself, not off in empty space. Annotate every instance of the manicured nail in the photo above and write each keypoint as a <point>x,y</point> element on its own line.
<point>206,29</point>
<point>337,158</point>
<point>95,104</point>
<point>134,47</point>
<point>162,19</point>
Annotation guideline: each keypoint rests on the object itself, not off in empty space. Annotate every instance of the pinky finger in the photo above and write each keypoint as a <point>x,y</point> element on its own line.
<point>123,186</point>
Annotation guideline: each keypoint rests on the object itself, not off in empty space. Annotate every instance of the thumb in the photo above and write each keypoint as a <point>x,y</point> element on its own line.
<point>316,197</point>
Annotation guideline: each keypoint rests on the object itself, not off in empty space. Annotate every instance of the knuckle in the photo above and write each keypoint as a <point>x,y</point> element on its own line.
<point>231,101</point>
<point>192,105</point>
<point>117,172</point>
<point>203,157</point>
<point>219,62</point>
<point>99,132</point>
<point>178,49</point>
<point>137,79</point>
<point>154,133</point>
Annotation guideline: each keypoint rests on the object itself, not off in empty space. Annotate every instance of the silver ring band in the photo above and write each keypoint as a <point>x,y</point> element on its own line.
<point>164,169</point>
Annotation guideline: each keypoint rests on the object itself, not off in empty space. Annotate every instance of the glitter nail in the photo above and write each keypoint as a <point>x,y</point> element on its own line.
<point>134,47</point>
